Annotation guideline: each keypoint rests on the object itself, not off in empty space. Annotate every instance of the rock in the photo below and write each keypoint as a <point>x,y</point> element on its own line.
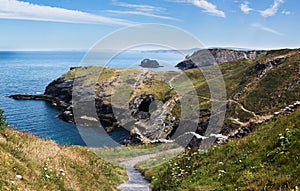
<point>147,63</point>
<point>56,102</point>
<point>185,65</point>
<point>206,57</point>
<point>61,89</point>
<point>140,106</point>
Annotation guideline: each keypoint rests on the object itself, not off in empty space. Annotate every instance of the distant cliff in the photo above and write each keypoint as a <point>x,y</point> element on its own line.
<point>219,56</point>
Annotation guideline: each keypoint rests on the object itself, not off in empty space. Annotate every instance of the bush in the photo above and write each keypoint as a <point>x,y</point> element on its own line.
<point>3,122</point>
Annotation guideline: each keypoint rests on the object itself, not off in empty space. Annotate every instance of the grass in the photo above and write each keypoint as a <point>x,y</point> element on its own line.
<point>276,89</point>
<point>159,89</point>
<point>267,159</point>
<point>31,163</point>
<point>119,154</point>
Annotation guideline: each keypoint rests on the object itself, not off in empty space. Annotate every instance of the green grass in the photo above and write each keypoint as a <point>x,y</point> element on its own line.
<point>158,88</point>
<point>267,159</point>
<point>273,92</point>
<point>39,162</point>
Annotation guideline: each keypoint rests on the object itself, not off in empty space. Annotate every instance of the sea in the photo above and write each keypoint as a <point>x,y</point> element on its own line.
<point>31,71</point>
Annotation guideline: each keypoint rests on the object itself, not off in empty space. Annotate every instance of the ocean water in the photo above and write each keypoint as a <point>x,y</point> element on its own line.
<point>31,72</point>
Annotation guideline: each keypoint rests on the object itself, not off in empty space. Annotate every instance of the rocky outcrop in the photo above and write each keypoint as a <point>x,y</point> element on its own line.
<point>56,102</point>
<point>61,89</point>
<point>147,63</point>
<point>217,56</point>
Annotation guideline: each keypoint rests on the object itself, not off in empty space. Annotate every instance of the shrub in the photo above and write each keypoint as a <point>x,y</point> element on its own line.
<point>3,122</point>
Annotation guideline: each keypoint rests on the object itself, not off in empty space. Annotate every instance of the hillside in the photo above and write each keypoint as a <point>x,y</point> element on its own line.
<point>30,163</point>
<point>267,159</point>
<point>259,85</point>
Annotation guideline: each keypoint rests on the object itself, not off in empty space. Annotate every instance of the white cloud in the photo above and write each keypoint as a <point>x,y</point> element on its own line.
<point>265,28</point>
<point>13,9</point>
<point>140,9</point>
<point>142,14</point>
<point>245,7</point>
<point>271,11</point>
<point>205,5</point>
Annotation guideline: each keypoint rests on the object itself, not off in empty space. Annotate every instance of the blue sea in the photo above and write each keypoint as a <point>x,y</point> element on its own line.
<point>31,71</point>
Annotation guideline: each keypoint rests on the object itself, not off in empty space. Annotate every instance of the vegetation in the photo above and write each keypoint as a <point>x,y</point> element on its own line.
<point>122,153</point>
<point>277,88</point>
<point>267,159</point>
<point>30,163</point>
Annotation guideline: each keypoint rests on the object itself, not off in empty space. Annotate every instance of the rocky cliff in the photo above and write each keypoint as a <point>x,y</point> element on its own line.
<point>219,56</point>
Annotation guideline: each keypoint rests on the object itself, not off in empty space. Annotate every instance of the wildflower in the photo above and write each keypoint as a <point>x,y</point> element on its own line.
<point>47,176</point>
<point>221,163</point>
<point>62,172</point>
<point>19,177</point>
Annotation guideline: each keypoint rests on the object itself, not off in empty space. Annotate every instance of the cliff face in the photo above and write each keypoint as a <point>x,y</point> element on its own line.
<point>219,56</point>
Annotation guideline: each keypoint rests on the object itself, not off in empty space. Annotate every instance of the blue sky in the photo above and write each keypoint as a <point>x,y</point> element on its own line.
<point>78,24</point>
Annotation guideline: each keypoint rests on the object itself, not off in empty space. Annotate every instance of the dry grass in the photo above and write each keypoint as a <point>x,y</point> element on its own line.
<point>44,165</point>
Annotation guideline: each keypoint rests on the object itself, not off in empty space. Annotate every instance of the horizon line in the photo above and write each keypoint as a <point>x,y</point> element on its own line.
<point>87,49</point>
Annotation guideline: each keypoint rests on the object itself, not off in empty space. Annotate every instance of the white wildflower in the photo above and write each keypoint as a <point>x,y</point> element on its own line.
<point>19,176</point>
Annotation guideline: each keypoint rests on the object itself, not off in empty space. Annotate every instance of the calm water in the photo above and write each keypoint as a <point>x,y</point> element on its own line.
<point>31,72</point>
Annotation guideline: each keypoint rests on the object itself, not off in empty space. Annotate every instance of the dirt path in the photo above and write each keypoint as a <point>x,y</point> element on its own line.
<point>136,181</point>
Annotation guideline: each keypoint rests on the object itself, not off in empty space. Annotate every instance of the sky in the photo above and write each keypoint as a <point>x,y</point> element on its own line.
<point>79,24</point>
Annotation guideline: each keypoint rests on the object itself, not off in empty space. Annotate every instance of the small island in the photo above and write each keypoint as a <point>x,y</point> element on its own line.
<point>147,63</point>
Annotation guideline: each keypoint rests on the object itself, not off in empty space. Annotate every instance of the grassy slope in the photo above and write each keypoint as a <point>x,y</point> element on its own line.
<point>277,89</point>
<point>39,162</point>
<point>267,159</point>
